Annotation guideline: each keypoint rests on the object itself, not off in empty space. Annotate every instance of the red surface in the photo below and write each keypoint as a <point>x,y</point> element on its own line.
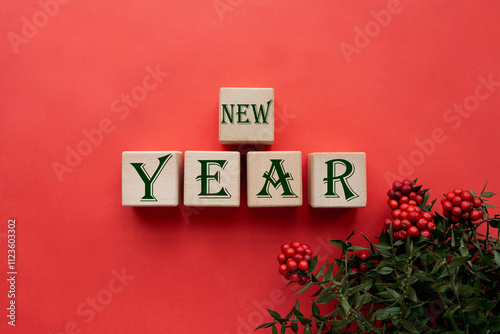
<point>215,270</point>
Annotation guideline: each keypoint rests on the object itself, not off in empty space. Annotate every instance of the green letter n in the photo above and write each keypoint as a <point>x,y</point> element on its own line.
<point>332,179</point>
<point>225,111</point>
<point>283,180</point>
<point>149,181</point>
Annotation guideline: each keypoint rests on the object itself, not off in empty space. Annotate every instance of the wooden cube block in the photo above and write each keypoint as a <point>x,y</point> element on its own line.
<point>151,178</point>
<point>337,180</point>
<point>246,115</point>
<point>212,178</point>
<point>274,179</point>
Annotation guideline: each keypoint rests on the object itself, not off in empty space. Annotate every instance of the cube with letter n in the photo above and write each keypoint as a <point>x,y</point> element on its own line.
<point>337,180</point>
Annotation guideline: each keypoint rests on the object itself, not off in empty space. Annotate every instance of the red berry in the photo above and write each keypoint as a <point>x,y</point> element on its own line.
<point>354,271</point>
<point>476,215</point>
<point>303,265</point>
<point>417,209</point>
<point>447,214</point>
<point>363,268</point>
<point>387,223</point>
<point>396,185</point>
<point>466,206</point>
<point>404,215</point>
<point>412,195</point>
<point>414,216</point>
<point>427,216</point>
<point>465,216</point>
<point>422,224</point>
<point>406,189</point>
<point>390,193</point>
<point>291,266</point>
<point>456,211</point>
<point>397,195</point>
<point>303,280</point>
<point>466,195</point>
<point>403,199</point>
<point>300,250</point>
<point>289,252</point>
<point>281,258</point>
<point>431,226</point>
<point>405,224</point>
<point>295,244</point>
<point>455,219</point>
<point>283,269</point>
<point>287,276</point>
<point>403,235</point>
<point>294,277</point>
<point>407,181</point>
<point>396,213</point>
<point>456,200</point>
<point>307,257</point>
<point>305,246</point>
<point>363,254</point>
<point>426,234</point>
<point>457,191</point>
<point>413,232</point>
<point>308,251</point>
<point>403,207</point>
<point>419,199</point>
<point>444,199</point>
<point>284,247</point>
<point>477,202</point>
<point>447,206</point>
<point>395,236</point>
<point>393,204</point>
<point>396,225</point>
<point>297,258</point>
<point>450,196</point>
<point>412,202</point>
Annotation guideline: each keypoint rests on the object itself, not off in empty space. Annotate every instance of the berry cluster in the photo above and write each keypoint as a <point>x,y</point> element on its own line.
<point>294,262</point>
<point>461,206</point>
<point>408,219</point>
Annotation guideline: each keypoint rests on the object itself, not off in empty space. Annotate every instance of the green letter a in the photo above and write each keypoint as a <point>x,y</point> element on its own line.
<point>283,180</point>
<point>148,181</point>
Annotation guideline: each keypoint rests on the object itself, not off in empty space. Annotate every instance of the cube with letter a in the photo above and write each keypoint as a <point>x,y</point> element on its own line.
<point>246,115</point>
<point>151,178</point>
<point>274,179</point>
<point>337,180</point>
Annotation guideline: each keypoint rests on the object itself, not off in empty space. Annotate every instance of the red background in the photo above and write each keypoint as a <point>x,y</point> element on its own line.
<point>209,270</point>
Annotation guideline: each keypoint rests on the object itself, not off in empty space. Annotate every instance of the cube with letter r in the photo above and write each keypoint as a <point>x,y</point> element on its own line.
<point>337,180</point>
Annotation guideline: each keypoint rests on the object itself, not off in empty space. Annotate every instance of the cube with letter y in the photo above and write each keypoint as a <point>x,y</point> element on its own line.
<point>274,179</point>
<point>337,180</point>
<point>212,178</point>
<point>151,178</point>
<point>246,115</point>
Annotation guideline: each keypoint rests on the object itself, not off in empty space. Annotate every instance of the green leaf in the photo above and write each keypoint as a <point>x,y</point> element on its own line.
<point>265,325</point>
<point>488,194</point>
<point>274,314</point>
<point>451,311</point>
<point>497,258</point>
<point>489,206</point>
<point>484,188</point>
<point>339,243</point>
<point>312,264</point>
<point>275,330</point>
<point>307,329</point>
<point>412,294</point>
<point>384,270</point>
<point>294,327</point>
<point>345,305</point>
<point>304,288</point>
<point>356,248</point>
<point>473,304</point>
<point>283,329</point>
<point>458,261</point>
<point>320,329</point>
<point>409,327</point>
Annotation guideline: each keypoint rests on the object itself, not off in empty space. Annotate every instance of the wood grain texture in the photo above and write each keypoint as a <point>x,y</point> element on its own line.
<point>246,115</point>
<point>212,178</point>
<point>163,169</point>
<point>274,179</point>
<point>337,180</point>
